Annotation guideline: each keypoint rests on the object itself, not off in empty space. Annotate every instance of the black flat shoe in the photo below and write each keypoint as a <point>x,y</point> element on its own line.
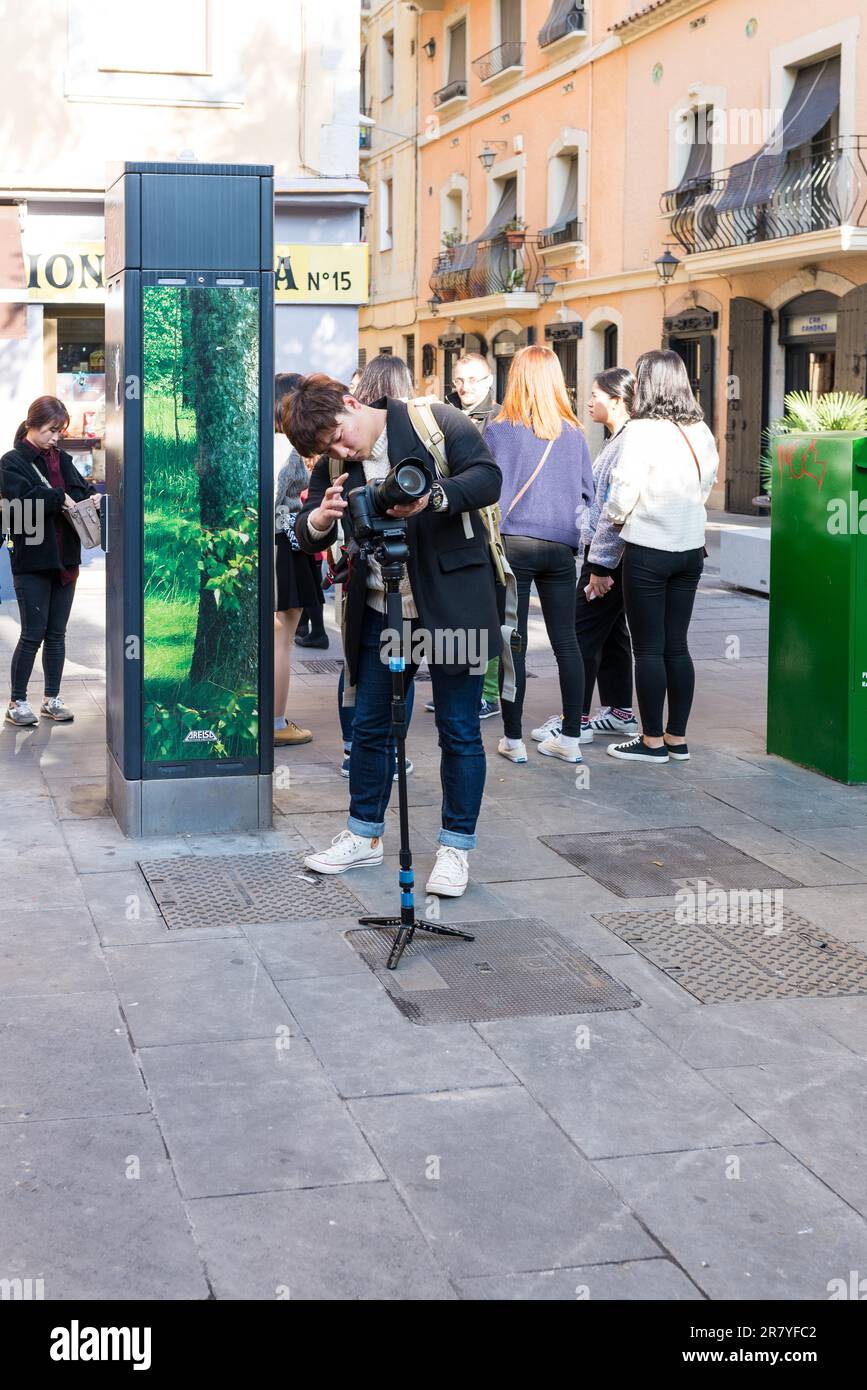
<point>678,751</point>
<point>637,751</point>
<point>319,641</point>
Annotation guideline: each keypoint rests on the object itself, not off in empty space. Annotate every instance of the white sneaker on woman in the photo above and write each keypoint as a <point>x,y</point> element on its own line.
<point>20,714</point>
<point>551,728</point>
<point>347,851</point>
<point>450,874</point>
<point>515,755</point>
<point>54,708</point>
<point>554,747</point>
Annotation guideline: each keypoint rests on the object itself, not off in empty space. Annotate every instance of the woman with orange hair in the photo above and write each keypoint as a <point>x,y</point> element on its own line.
<point>539,445</point>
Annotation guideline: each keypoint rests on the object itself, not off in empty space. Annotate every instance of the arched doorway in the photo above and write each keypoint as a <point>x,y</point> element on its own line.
<point>808,335</point>
<point>505,345</point>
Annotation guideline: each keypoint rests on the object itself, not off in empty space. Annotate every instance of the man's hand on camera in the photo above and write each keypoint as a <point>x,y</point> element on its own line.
<point>411,508</point>
<point>332,506</point>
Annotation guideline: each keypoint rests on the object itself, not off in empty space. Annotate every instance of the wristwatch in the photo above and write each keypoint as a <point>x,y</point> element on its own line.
<point>437,498</point>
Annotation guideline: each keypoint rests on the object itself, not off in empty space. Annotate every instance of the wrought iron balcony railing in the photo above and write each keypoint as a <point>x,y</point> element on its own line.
<point>780,196</point>
<point>483,268</point>
<point>458,88</point>
<point>573,231</point>
<point>507,55</point>
<point>573,22</point>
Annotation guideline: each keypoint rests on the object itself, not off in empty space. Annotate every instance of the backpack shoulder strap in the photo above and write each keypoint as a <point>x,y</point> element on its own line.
<point>424,423</point>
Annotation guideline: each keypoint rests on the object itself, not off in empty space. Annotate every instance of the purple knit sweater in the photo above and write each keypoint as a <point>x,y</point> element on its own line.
<point>553,506</point>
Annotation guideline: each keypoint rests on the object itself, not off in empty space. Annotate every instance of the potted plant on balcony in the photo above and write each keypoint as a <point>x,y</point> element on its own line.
<point>451,240</point>
<point>516,232</point>
<point>514,280</point>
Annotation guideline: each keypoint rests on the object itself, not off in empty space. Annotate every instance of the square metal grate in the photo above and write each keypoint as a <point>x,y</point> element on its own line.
<point>657,863</point>
<point>763,954</point>
<point>512,969</point>
<point>323,666</point>
<point>242,890</point>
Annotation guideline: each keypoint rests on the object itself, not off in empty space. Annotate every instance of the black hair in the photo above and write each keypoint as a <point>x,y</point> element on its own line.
<point>619,383</point>
<point>284,382</point>
<point>662,390</point>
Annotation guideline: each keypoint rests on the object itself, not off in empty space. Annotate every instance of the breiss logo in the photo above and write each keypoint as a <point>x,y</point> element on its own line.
<point>76,1343</point>
<point>201,736</point>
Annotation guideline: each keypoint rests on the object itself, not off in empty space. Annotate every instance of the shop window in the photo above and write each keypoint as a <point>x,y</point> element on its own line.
<point>79,381</point>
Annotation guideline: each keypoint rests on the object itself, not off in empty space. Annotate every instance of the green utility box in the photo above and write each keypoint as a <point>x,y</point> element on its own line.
<point>817,656</point>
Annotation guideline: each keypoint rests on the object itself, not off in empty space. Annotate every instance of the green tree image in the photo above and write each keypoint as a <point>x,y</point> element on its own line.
<point>201,468</point>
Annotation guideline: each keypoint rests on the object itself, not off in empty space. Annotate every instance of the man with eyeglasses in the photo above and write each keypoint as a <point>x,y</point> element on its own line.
<point>474,395</point>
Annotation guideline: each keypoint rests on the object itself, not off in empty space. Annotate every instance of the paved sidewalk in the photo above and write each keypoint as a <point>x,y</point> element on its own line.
<point>243,1113</point>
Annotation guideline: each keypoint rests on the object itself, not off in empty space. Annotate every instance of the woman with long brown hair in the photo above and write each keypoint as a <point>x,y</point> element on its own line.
<point>539,445</point>
<point>45,557</point>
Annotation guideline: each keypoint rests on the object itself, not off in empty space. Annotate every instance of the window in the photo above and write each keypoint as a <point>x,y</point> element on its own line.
<point>696,178</point>
<point>611,347</point>
<point>166,38</point>
<point>509,14</point>
<point>387,83</point>
<point>457,65</point>
<point>386,352</point>
<point>564,228</point>
<point>409,353</point>
<point>362,359</point>
<point>386,214</point>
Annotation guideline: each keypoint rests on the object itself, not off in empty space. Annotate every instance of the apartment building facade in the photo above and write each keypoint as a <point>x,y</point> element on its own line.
<point>566,145</point>
<point>206,81</point>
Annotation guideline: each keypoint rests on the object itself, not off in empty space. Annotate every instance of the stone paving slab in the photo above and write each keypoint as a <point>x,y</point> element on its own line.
<point>324,1244</point>
<point>774,1232</point>
<point>196,991</point>
<point>745,1033</point>
<point>840,910</point>
<point>57,958</point>
<point>212,1098</point>
<point>613,1087</point>
<point>816,1110</point>
<point>512,1193</point>
<point>368,1048</point>
<point>299,950</point>
<point>95,1211</point>
<point>64,1056</point>
<point>636,1280</point>
<point>842,1019</point>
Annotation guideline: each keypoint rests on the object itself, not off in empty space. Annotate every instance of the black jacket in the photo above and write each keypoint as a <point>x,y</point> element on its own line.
<point>451,575</point>
<point>18,482</point>
<point>481,414</point>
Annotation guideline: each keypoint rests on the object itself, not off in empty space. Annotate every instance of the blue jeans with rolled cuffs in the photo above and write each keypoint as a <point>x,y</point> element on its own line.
<point>457,699</point>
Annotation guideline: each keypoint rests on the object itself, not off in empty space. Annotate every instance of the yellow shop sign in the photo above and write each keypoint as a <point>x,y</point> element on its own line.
<point>313,274</point>
<point>302,274</point>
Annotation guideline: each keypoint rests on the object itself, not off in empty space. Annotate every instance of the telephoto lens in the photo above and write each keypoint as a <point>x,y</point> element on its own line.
<point>406,483</point>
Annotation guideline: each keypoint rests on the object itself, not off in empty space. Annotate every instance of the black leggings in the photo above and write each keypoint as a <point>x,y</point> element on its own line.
<point>552,567</point>
<point>659,589</point>
<point>44,606</point>
<point>600,626</point>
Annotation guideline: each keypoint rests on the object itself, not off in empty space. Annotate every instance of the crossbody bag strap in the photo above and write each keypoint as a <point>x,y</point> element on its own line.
<point>532,478</point>
<point>691,449</point>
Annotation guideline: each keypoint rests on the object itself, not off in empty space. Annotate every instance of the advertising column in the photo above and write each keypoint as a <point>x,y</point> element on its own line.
<point>189,385</point>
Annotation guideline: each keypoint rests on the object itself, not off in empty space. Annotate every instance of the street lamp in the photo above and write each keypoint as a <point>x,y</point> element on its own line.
<point>487,157</point>
<point>666,265</point>
<point>434,304</point>
<point>545,286</point>
<point>430,47</point>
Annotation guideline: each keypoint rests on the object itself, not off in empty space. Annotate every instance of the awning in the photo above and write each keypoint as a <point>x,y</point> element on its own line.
<point>463,258</point>
<point>569,207</point>
<point>457,53</point>
<point>814,99</point>
<point>12,276</point>
<point>563,19</point>
<point>700,162</point>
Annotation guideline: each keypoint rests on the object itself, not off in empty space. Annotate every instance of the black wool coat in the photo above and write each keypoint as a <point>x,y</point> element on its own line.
<point>451,574</point>
<point>19,482</point>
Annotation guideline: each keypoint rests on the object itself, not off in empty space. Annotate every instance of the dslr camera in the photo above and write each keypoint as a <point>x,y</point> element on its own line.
<point>381,535</point>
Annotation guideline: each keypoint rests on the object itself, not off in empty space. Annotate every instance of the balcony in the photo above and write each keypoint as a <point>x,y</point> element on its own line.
<point>488,270</point>
<point>504,61</point>
<point>772,198</point>
<point>453,91</point>
<point>563,26</point>
<point>573,231</point>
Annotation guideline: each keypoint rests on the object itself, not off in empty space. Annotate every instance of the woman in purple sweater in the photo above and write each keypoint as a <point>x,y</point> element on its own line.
<point>539,446</point>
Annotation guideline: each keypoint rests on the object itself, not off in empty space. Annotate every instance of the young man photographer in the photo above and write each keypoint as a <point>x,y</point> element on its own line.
<point>448,588</point>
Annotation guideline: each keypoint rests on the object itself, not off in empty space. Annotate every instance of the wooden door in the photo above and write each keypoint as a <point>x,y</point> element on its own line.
<point>850,371</point>
<point>749,337</point>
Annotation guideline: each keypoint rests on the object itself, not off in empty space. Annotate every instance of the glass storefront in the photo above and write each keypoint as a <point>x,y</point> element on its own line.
<point>74,340</point>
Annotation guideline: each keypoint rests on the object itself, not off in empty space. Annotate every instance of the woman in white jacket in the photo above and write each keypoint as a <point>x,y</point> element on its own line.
<point>659,486</point>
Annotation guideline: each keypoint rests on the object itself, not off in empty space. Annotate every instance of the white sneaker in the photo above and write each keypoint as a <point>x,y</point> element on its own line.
<point>553,747</point>
<point>54,708</point>
<point>551,728</point>
<point>20,714</point>
<point>614,721</point>
<point>347,851</point>
<point>450,874</point>
<point>515,755</point>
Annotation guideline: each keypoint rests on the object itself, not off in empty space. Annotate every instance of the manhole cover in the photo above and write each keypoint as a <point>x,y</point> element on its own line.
<point>657,863</point>
<point>757,951</point>
<point>512,969</point>
<point>324,666</point>
<point>243,889</point>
